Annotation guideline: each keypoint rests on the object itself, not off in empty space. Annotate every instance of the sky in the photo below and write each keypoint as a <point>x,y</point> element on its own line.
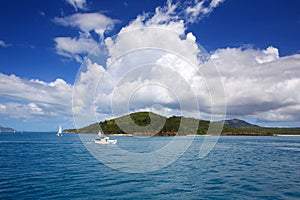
<point>75,62</point>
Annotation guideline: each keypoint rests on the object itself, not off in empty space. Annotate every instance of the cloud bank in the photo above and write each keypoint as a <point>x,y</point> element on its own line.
<point>35,100</point>
<point>156,48</point>
<point>259,83</point>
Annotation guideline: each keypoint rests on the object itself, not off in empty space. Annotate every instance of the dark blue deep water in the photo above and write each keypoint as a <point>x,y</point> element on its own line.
<point>43,166</point>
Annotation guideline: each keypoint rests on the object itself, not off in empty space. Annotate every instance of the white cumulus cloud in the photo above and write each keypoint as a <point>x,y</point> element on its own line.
<point>268,55</point>
<point>88,22</point>
<point>74,47</point>
<point>85,88</point>
<point>171,16</point>
<point>150,62</point>
<point>79,47</point>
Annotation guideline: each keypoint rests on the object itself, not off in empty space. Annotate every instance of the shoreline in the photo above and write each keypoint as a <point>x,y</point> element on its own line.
<point>282,135</point>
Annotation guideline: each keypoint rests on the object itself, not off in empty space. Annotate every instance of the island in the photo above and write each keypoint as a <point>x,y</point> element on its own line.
<point>173,126</point>
<point>7,129</point>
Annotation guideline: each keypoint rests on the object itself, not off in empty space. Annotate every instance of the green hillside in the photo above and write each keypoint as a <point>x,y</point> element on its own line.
<point>139,123</point>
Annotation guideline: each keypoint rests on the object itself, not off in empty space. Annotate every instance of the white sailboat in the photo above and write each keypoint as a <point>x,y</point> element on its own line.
<point>59,133</point>
<point>103,139</point>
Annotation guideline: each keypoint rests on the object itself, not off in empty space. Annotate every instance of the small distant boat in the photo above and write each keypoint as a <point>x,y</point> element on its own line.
<point>59,133</point>
<point>103,139</point>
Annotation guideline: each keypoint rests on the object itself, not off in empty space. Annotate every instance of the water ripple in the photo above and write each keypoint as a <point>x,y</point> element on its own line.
<point>44,166</point>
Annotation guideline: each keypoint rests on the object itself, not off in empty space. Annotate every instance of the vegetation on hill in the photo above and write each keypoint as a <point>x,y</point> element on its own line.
<point>140,124</point>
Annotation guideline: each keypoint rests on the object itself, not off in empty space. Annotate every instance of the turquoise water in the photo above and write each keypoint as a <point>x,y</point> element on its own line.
<point>44,166</point>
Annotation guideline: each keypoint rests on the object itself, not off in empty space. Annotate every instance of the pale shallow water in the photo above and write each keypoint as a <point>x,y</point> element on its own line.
<point>43,166</point>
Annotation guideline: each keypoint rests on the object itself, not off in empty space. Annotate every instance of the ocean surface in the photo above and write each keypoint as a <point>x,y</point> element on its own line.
<point>44,166</point>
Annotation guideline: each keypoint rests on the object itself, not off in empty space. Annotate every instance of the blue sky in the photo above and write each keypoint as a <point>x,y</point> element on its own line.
<point>34,58</point>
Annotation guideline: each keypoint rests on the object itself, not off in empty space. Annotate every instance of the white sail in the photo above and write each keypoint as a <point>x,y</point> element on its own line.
<point>59,133</point>
<point>101,134</point>
<point>59,129</point>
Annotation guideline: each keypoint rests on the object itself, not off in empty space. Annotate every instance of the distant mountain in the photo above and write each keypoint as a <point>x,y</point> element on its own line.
<point>172,126</point>
<point>6,129</point>
<point>239,123</point>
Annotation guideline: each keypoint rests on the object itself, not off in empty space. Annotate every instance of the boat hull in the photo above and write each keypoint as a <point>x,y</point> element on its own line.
<point>104,141</point>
